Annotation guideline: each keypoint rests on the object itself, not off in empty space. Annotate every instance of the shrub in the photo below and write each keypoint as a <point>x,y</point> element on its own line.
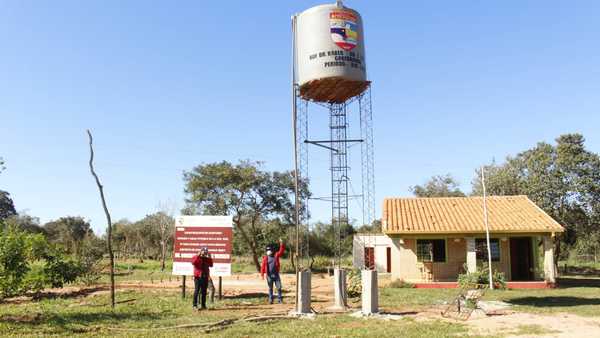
<point>400,284</point>
<point>90,265</point>
<point>14,253</point>
<point>472,280</point>
<point>29,263</point>
<point>354,283</point>
<point>60,269</point>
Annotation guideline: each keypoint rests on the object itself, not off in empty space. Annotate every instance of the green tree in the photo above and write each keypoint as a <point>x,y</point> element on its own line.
<point>29,263</point>
<point>14,253</point>
<point>374,227</point>
<point>26,223</point>
<point>562,179</point>
<point>7,207</point>
<point>69,232</point>
<point>161,224</point>
<point>438,186</point>
<point>252,196</point>
<point>589,246</point>
<point>323,239</point>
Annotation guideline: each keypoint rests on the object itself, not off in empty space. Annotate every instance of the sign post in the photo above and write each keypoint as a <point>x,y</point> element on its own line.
<point>195,232</point>
<point>220,287</point>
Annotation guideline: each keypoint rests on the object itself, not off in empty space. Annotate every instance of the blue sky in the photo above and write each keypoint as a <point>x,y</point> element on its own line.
<point>168,85</point>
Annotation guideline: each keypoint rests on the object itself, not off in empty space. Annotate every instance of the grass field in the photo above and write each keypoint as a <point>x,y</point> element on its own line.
<point>145,311</point>
<point>159,308</point>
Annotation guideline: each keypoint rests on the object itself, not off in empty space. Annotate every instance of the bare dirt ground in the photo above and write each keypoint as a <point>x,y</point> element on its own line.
<point>561,325</point>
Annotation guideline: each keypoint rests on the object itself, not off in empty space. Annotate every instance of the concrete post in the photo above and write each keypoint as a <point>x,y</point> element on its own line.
<point>549,270</point>
<point>370,292</point>
<point>339,288</point>
<point>471,255</point>
<point>303,302</point>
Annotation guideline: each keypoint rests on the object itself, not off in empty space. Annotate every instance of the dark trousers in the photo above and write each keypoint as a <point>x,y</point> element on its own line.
<point>274,279</point>
<point>200,286</point>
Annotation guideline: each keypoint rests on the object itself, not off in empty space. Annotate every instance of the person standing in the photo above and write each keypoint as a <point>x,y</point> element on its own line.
<point>202,263</point>
<point>270,266</point>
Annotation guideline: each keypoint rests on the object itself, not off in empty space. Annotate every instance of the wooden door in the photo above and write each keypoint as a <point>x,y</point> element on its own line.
<point>521,259</point>
<point>370,258</point>
<point>388,253</point>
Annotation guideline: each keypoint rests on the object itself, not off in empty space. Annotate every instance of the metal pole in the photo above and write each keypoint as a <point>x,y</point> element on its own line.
<point>294,134</point>
<point>183,289</point>
<point>487,230</point>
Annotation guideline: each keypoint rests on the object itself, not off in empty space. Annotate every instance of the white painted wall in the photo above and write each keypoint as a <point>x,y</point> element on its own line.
<point>378,241</point>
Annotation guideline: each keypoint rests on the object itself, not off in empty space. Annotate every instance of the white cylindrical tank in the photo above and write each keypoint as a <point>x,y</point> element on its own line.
<point>330,53</point>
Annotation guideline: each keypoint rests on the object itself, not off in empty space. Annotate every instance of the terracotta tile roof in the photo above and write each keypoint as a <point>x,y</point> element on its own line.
<point>465,215</point>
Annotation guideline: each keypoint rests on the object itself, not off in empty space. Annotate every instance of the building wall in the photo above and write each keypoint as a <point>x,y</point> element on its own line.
<point>456,257</point>
<point>378,241</point>
<point>406,267</point>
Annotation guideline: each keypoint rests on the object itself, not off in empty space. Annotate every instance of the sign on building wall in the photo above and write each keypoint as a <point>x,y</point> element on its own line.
<point>195,232</point>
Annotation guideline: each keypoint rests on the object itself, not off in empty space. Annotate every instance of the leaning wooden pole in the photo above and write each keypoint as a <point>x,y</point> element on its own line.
<point>109,223</point>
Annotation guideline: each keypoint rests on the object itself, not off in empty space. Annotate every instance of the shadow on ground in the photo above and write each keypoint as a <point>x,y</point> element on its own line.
<point>73,322</point>
<point>554,301</point>
<point>249,295</point>
<point>83,292</point>
<point>586,271</point>
<point>573,282</point>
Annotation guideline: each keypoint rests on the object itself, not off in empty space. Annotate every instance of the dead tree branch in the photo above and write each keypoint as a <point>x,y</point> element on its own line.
<point>108,221</point>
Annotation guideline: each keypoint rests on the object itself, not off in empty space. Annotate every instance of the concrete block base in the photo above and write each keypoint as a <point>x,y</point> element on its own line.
<point>370,292</point>
<point>303,301</point>
<point>339,290</point>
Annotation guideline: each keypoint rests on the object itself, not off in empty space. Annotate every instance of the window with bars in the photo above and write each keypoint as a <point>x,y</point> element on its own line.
<point>431,250</point>
<point>481,249</point>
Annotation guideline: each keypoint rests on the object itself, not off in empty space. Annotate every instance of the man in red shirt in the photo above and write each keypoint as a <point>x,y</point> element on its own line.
<point>202,263</point>
<point>270,266</point>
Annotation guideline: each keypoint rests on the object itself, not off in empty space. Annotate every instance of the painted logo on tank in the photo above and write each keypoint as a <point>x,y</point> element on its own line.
<point>344,28</point>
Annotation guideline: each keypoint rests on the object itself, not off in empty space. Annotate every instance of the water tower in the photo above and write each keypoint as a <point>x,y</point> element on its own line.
<point>329,73</point>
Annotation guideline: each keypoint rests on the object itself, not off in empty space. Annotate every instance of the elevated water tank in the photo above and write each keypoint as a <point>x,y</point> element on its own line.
<point>330,53</point>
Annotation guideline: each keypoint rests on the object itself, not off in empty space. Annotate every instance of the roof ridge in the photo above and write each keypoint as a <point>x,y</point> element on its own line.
<point>454,197</point>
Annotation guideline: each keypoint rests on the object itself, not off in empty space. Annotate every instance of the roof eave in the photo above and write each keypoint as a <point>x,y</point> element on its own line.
<point>425,232</point>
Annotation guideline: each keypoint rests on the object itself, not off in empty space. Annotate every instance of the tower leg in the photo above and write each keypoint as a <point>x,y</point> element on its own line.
<point>370,292</point>
<point>339,288</point>
<point>303,303</point>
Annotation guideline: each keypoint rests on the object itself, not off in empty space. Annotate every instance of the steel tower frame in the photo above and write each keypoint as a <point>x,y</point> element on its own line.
<point>338,146</point>
<point>338,125</point>
<point>367,151</point>
<point>301,133</point>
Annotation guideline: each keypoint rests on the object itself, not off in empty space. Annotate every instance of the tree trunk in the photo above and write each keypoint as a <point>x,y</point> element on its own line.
<point>108,221</point>
<point>255,257</point>
<point>163,254</point>
<point>293,261</point>
<point>248,241</point>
